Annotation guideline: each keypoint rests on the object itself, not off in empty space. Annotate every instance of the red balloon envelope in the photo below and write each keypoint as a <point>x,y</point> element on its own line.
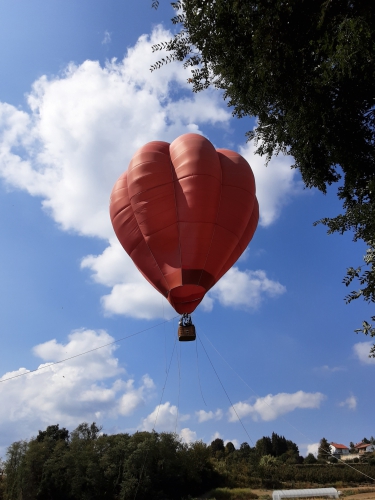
<point>185,212</point>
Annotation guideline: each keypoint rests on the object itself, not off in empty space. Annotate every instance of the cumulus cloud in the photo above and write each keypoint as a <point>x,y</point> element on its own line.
<point>362,350</point>
<point>329,369</point>
<point>203,416</point>
<point>313,448</point>
<point>216,435</point>
<point>273,406</point>
<point>77,390</point>
<point>276,184</point>
<point>187,435</point>
<point>350,403</point>
<point>245,289</point>
<point>78,135</point>
<point>164,418</point>
<point>84,126</point>
<point>235,442</point>
<point>207,303</point>
<point>106,38</point>
<point>130,293</point>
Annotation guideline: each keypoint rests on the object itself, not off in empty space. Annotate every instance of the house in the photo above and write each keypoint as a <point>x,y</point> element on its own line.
<point>339,449</point>
<point>364,448</point>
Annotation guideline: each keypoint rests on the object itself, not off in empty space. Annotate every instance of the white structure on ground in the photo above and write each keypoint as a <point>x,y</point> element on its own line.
<point>339,449</point>
<point>308,493</point>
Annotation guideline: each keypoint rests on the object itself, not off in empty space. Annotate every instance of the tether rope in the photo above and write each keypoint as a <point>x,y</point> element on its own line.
<point>283,418</point>
<point>166,378</point>
<point>156,419</point>
<point>199,378</point>
<point>234,409</point>
<point>179,384</point>
<point>165,337</point>
<point>86,352</point>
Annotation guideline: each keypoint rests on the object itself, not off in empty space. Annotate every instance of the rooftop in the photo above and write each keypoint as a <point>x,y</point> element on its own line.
<point>362,445</point>
<point>339,446</point>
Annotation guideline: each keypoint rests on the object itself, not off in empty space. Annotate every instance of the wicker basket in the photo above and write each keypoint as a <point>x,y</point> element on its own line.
<point>186,333</point>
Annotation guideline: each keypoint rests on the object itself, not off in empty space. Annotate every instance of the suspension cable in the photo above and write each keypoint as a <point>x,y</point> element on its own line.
<point>234,409</point>
<point>199,378</point>
<point>156,419</point>
<point>86,352</point>
<point>329,452</point>
<point>179,384</point>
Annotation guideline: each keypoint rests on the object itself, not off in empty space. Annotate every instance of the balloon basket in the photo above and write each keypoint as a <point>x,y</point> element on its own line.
<point>186,333</point>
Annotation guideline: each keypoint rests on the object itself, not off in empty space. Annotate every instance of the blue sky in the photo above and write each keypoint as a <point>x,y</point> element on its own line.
<point>77,99</point>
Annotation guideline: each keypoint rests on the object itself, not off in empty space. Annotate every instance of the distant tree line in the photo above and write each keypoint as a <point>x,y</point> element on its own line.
<point>87,465</point>
<point>274,462</point>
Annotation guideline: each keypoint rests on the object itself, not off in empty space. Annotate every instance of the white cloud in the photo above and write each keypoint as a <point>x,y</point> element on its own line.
<point>235,442</point>
<point>78,136</point>
<point>203,416</point>
<point>207,303</point>
<point>70,392</point>
<point>313,448</point>
<point>165,417</point>
<point>217,435</point>
<point>245,289</point>
<point>275,184</point>
<point>106,38</point>
<point>271,407</point>
<point>329,369</point>
<point>245,255</point>
<point>84,126</point>
<point>362,350</point>
<point>130,293</point>
<point>350,403</point>
<point>112,267</point>
<point>187,435</point>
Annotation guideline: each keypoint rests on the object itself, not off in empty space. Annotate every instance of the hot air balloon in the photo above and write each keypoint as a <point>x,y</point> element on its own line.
<point>184,212</point>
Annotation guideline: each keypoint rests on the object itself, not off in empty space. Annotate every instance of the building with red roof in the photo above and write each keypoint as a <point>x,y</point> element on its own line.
<point>364,448</point>
<point>339,449</point>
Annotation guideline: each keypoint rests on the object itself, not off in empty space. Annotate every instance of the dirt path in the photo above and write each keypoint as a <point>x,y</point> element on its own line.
<point>358,495</point>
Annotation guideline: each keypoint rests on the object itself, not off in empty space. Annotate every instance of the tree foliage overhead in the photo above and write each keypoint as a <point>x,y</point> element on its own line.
<point>306,70</point>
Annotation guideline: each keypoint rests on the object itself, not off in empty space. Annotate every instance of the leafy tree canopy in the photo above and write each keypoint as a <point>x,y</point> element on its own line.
<point>267,461</point>
<point>95,466</point>
<point>229,448</point>
<point>152,466</point>
<point>86,431</point>
<point>217,445</point>
<point>276,446</point>
<point>310,459</point>
<point>306,70</point>
<point>54,433</point>
<point>324,450</point>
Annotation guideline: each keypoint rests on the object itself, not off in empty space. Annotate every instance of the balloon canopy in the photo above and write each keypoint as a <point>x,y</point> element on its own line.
<point>184,212</point>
